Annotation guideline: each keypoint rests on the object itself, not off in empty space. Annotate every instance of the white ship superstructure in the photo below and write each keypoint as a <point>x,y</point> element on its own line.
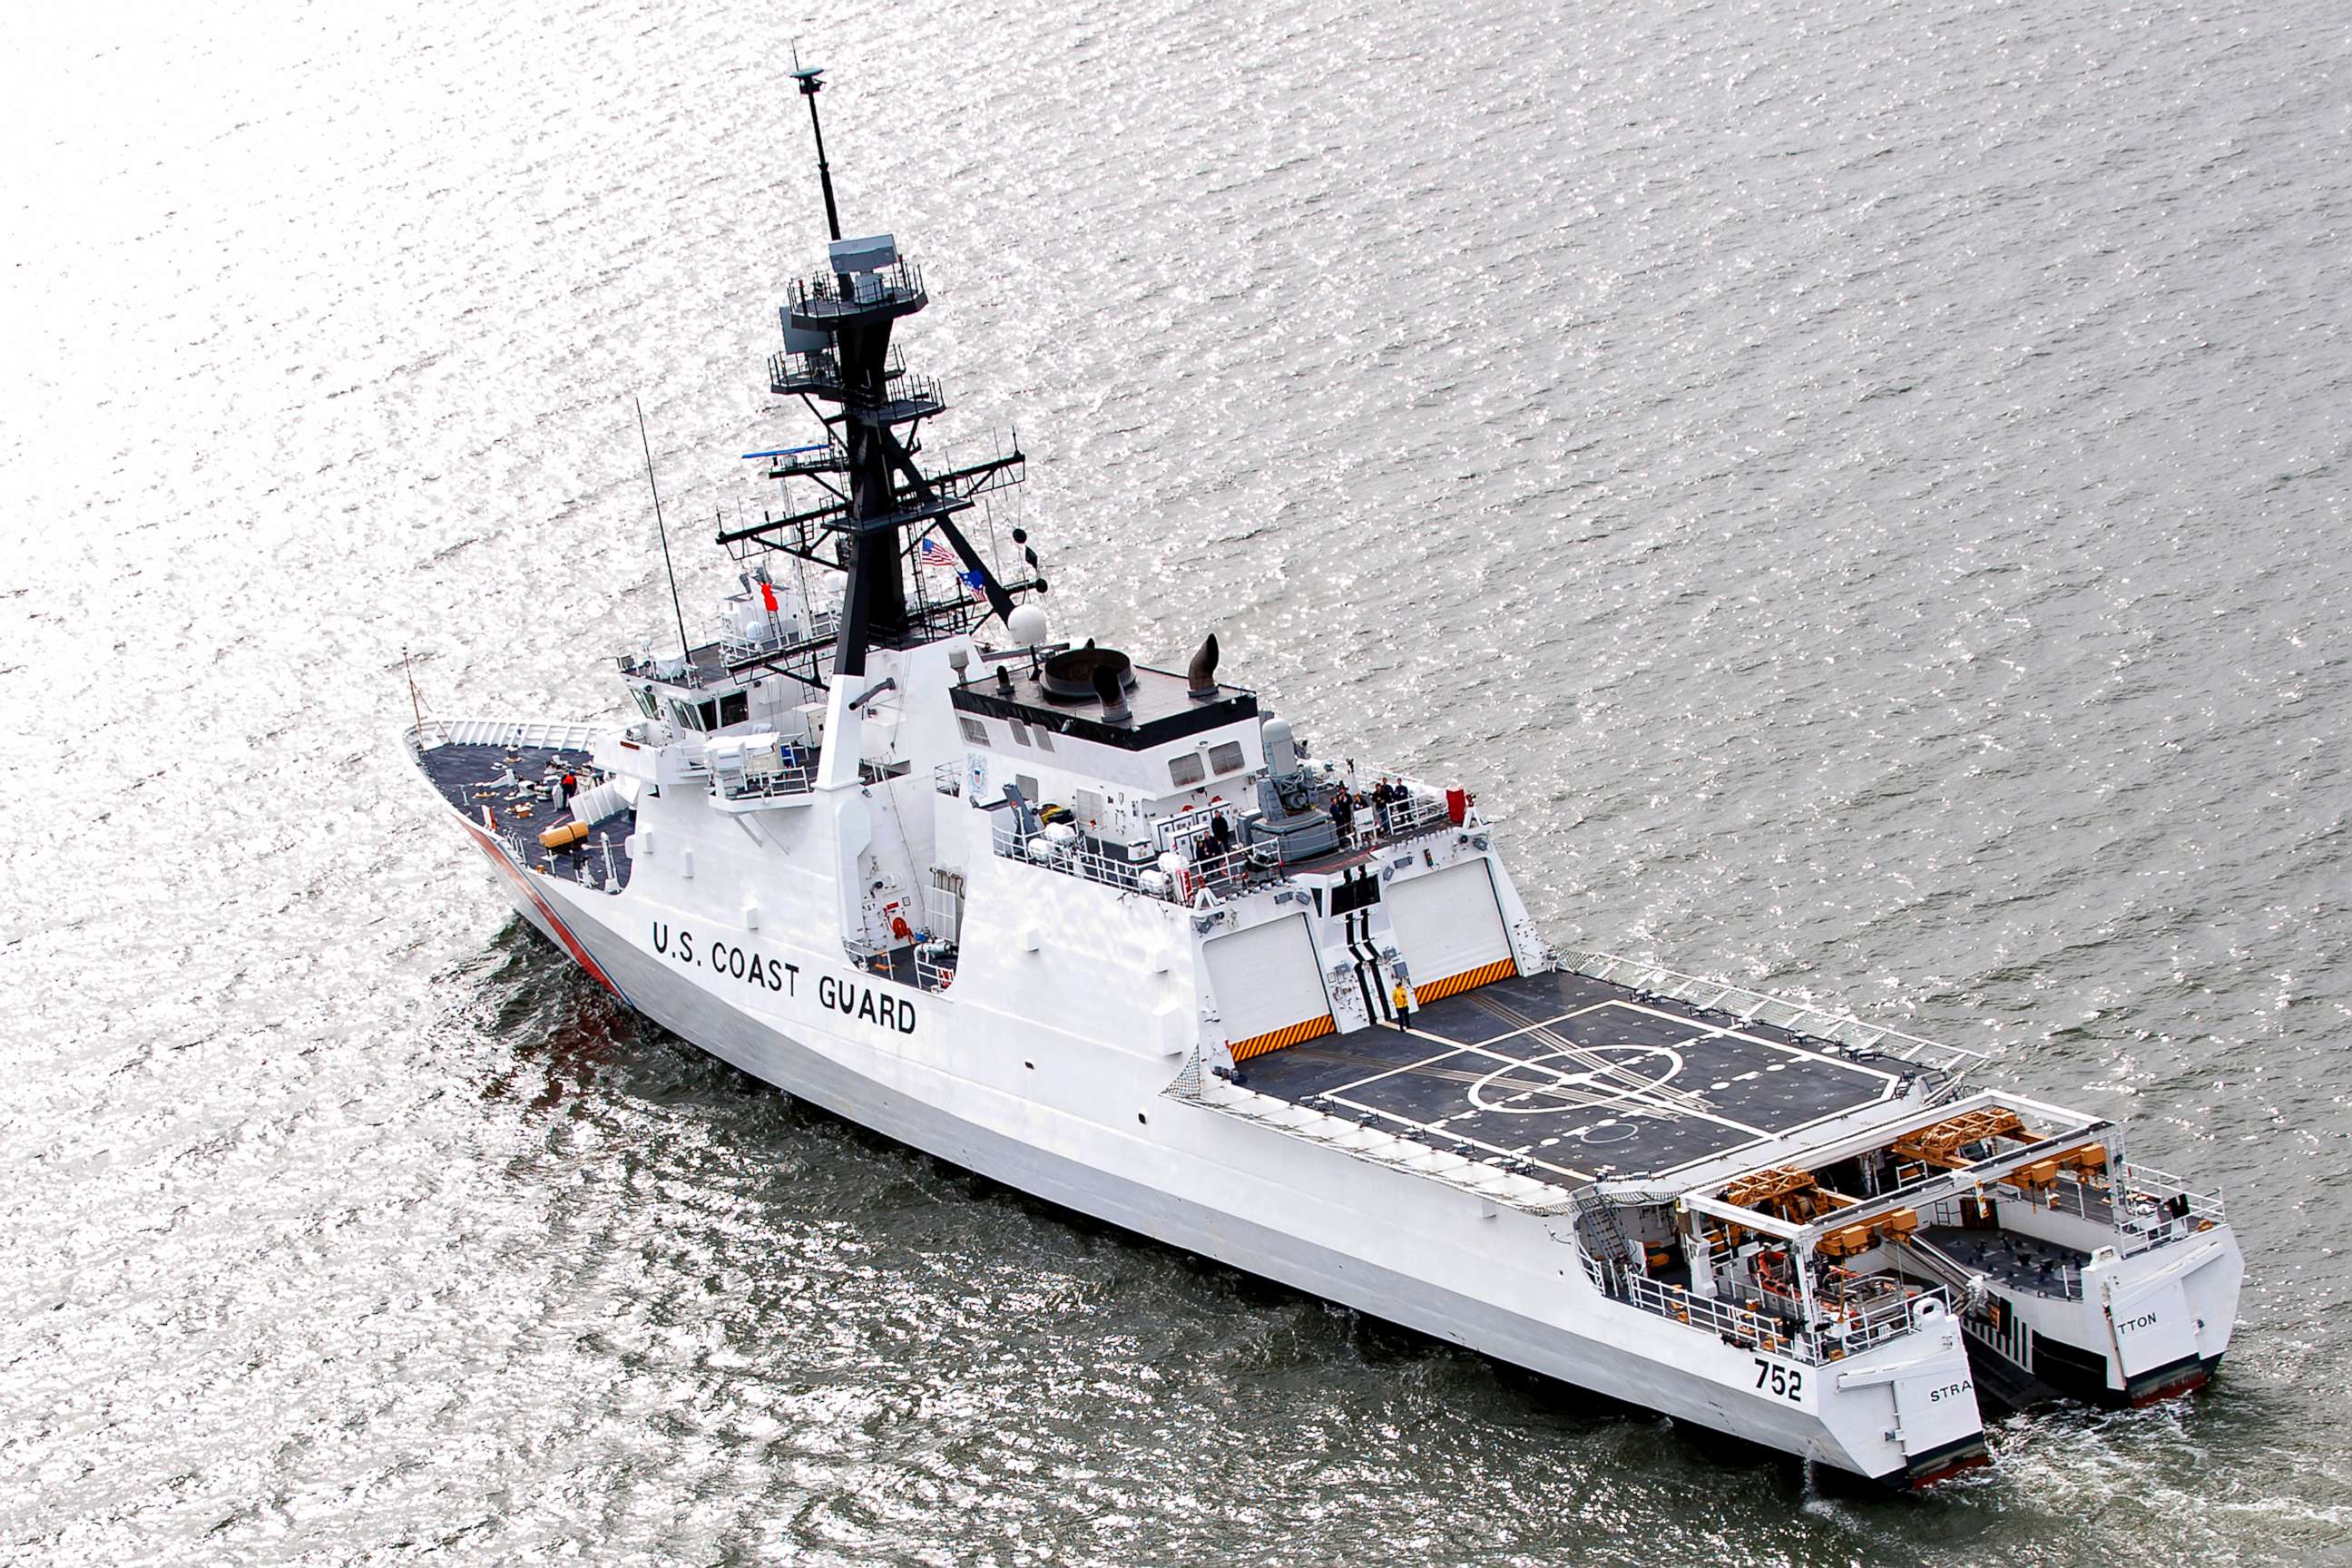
<point>1115,935</point>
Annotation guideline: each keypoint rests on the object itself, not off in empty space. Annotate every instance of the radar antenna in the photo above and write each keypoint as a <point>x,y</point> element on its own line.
<point>810,78</point>
<point>881,505</point>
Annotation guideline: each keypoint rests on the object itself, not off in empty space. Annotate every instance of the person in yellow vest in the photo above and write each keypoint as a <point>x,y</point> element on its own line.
<point>1404,1000</point>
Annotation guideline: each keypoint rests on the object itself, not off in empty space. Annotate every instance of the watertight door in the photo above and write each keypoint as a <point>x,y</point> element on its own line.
<point>1267,987</point>
<point>1449,928</point>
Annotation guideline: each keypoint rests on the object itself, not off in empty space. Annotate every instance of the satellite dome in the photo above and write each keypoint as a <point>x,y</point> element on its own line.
<point>1028,626</point>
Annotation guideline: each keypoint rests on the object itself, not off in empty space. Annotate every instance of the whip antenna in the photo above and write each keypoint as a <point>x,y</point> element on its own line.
<point>685,649</point>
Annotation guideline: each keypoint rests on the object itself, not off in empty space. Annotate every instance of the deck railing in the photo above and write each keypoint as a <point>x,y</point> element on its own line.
<point>1246,867</point>
<point>2152,1209</point>
<point>593,864</point>
<point>934,971</point>
<point>1861,1039</point>
<point>1728,1321</point>
<point>1753,1328</point>
<point>817,372</point>
<point>2063,1281</point>
<point>514,734</point>
<point>1415,813</point>
<point>2148,1181</point>
<point>735,648</point>
<point>823,296</point>
<point>2158,1208</point>
<point>777,782</point>
<point>1079,856</point>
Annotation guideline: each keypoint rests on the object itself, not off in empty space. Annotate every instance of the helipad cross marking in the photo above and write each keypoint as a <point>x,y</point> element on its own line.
<point>1602,1095</point>
<point>1609,1094</point>
<point>1725,1031</point>
<point>1564,1069</point>
<point>1469,1142</point>
<point>1589,1082</point>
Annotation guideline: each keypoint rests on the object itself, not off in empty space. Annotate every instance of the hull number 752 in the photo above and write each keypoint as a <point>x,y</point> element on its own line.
<point>1785,1381</point>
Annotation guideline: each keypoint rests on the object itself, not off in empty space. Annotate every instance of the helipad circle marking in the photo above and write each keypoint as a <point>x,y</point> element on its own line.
<point>1536,1088</point>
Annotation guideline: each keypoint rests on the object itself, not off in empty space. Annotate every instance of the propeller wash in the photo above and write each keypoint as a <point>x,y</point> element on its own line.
<point>1113,936</point>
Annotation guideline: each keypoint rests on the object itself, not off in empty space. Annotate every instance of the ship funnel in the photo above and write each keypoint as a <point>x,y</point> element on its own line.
<point>1202,679</point>
<point>1075,675</point>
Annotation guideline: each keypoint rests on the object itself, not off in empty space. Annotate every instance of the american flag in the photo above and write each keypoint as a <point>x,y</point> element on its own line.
<point>933,554</point>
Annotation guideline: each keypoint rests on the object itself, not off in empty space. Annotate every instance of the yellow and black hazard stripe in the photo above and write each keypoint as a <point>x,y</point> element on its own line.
<point>1501,969</point>
<point>1274,1040</point>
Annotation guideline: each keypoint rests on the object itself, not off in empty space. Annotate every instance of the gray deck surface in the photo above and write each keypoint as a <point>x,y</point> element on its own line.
<point>459,773</point>
<point>2019,1262</point>
<point>1579,1078</point>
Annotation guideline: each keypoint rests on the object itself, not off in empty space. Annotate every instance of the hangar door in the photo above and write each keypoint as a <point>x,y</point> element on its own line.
<point>1449,927</point>
<point>1267,986</point>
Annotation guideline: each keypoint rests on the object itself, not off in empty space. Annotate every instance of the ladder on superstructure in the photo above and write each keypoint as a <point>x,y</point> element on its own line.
<point>1602,1239</point>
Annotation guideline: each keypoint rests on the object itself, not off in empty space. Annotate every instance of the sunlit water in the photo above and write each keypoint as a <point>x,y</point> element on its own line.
<point>1859,490</point>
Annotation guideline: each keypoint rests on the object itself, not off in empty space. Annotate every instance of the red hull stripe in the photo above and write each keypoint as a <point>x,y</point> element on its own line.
<point>571,944</point>
<point>2187,1383</point>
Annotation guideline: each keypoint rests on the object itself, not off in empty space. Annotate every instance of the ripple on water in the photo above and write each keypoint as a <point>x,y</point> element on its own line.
<point>1853,487</point>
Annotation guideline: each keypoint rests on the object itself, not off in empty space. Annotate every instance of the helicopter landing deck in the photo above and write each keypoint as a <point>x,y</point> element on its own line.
<point>1580,1078</point>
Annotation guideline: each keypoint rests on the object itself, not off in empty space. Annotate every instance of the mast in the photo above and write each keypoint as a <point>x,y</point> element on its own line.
<point>837,357</point>
<point>811,85</point>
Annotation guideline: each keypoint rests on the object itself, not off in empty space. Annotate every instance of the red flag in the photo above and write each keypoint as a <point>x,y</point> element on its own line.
<point>767,598</point>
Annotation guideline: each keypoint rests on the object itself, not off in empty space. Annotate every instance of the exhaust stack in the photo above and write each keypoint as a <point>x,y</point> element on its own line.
<point>1112,695</point>
<point>1202,678</point>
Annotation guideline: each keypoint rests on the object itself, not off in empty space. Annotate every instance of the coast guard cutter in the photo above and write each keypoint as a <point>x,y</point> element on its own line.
<point>1113,934</point>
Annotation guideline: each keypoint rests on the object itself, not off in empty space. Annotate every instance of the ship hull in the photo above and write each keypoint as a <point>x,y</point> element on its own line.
<point>1381,1242</point>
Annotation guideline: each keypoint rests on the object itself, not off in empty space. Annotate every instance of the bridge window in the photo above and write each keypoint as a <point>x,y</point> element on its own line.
<point>1184,771</point>
<point>974,732</point>
<point>703,715</point>
<point>734,707</point>
<point>1226,757</point>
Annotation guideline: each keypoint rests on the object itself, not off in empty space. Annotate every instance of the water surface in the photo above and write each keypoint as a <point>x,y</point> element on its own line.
<point>1859,491</point>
